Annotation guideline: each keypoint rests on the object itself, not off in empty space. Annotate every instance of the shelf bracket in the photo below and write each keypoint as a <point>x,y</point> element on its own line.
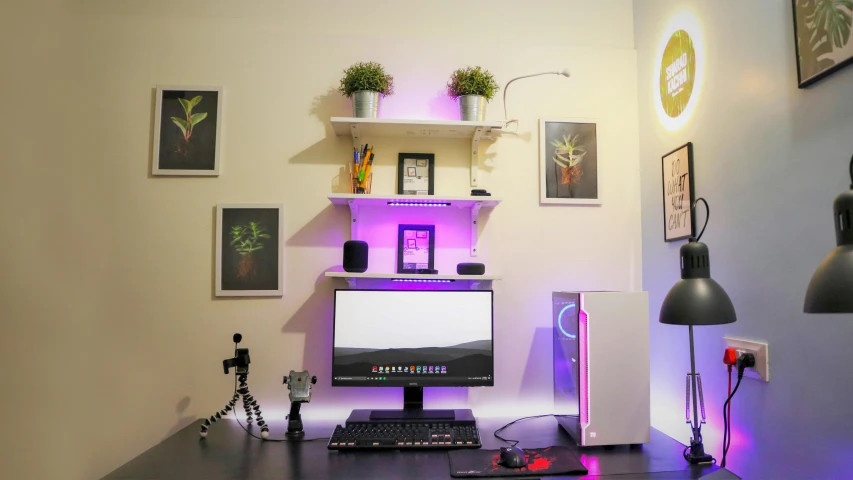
<point>475,228</point>
<point>353,210</point>
<point>351,282</point>
<point>356,140</point>
<point>474,285</point>
<point>475,155</point>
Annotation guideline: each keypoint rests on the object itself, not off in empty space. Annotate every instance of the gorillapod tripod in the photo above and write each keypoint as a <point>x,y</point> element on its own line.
<point>240,362</point>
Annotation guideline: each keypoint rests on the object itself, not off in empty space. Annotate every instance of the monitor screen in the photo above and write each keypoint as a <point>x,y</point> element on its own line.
<point>413,338</point>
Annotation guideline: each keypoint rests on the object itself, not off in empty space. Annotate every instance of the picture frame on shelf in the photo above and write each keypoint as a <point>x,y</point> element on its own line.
<point>822,39</point>
<point>415,248</point>
<point>678,193</point>
<point>187,131</point>
<point>416,174</point>
<point>249,250</point>
<point>568,162</point>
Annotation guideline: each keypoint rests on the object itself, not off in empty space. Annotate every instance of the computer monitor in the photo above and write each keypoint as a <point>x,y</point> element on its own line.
<point>413,338</point>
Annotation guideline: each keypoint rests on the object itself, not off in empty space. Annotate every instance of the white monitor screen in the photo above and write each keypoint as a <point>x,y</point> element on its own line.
<point>394,338</point>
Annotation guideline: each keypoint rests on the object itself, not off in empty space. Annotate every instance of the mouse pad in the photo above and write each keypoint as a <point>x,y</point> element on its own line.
<point>540,461</point>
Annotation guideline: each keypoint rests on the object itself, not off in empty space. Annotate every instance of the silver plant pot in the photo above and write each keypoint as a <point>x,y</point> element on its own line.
<point>365,104</point>
<point>473,108</point>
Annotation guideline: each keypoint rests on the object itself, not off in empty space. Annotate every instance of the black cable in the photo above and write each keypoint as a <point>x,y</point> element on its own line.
<point>511,440</point>
<point>726,420</point>
<point>708,212</point>
<point>851,172</point>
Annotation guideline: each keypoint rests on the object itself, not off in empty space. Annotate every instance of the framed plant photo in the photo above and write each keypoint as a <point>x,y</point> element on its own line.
<point>568,162</point>
<point>187,131</point>
<point>822,38</point>
<point>678,193</point>
<point>249,250</point>
<point>415,174</point>
<point>415,248</point>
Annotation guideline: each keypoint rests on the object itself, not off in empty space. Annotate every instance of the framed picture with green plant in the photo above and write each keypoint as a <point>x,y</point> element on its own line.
<point>822,36</point>
<point>568,162</point>
<point>473,87</point>
<point>187,131</point>
<point>249,250</point>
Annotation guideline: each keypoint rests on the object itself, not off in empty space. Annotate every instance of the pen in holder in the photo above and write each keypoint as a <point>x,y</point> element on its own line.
<point>361,176</point>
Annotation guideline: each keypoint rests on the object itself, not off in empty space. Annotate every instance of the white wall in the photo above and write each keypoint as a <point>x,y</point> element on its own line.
<point>769,158</point>
<point>111,339</point>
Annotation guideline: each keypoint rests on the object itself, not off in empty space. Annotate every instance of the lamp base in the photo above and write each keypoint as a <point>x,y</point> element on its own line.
<point>697,455</point>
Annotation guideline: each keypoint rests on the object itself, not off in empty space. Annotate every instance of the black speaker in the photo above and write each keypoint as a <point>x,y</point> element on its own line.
<point>470,269</point>
<point>355,256</point>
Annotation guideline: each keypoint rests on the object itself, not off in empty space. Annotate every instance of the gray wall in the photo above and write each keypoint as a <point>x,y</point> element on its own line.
<point>769,158</point>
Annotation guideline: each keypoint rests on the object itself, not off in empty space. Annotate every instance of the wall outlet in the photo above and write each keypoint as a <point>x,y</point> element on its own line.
<point>759,350</point>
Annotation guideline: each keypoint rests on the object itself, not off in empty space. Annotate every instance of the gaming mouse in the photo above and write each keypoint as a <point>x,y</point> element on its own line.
<point>512,457</point>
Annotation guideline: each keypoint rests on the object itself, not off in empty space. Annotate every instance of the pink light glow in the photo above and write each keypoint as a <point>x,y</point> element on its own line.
<point>591,464</point>
<point>418,204</point>
<point>421,280</point>
<point>583,340</point>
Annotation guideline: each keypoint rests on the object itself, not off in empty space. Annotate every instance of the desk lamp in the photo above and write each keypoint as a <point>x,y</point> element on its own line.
<point>830,289</point>
<point>564,72</point>
<point>696,299</point>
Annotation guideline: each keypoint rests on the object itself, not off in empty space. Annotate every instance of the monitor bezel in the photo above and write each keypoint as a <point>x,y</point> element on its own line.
<point>490,383</point>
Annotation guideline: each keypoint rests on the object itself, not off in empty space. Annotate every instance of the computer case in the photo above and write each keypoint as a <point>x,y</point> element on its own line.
<point>601,366</point>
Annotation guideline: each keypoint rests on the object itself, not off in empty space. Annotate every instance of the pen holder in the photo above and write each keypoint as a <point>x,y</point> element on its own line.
<point>362,187</point>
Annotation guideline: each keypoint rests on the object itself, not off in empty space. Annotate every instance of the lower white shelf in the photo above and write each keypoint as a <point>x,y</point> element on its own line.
<point>474,280</point>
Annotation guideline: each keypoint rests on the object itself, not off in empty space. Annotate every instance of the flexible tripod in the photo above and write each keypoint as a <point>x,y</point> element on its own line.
<point>240,362</point>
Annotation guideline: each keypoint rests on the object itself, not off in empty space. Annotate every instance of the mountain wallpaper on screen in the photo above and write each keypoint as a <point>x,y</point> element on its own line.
<point>465,359</point>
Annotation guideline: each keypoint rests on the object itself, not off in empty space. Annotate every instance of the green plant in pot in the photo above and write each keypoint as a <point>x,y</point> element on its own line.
<point>246,240</point>
<point>473,86</point>
<point>568,156</point>
<point>364,82</point>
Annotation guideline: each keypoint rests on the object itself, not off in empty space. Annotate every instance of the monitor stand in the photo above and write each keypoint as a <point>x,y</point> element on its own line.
<point>413,409</point>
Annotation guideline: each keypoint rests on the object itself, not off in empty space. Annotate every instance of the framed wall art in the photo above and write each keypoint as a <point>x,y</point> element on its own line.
<point>822,38</point>
<point>415,248</point>
<point>678,193</point>
<point>187,131</point>
<point>415,174</point>
<point>568,162</point>
<point>249,250</point>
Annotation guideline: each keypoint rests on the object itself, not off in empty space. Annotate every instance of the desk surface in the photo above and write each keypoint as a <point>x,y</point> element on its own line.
<point>228,453</point>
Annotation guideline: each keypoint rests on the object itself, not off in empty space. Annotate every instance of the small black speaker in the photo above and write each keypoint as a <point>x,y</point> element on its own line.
<point>355,256</point>
<point>470,269</point>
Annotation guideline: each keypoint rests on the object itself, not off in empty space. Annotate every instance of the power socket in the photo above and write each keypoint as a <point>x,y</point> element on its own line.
<point>761,371</point>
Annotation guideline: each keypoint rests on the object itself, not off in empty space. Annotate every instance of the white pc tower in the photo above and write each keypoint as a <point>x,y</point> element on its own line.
<point>601,366</point>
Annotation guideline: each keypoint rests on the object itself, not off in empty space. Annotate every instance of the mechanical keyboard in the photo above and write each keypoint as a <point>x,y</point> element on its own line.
<point>404,436</point>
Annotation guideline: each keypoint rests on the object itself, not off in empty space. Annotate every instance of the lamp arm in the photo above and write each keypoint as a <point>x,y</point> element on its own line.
<point>708,213</point>
<point>526,76</point>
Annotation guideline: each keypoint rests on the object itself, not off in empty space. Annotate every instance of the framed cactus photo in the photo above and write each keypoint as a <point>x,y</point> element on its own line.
<point>568,162</point>
<point>249,250</point>
<point>187,131</point>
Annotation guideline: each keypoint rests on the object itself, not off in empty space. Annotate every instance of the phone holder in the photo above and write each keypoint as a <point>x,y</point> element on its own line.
<point>299,384</point>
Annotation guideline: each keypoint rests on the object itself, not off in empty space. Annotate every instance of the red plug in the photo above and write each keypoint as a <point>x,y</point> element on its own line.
<point>730,357</point>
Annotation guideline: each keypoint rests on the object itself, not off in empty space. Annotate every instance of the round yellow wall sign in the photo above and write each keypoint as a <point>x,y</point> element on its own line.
<point>677,73</point>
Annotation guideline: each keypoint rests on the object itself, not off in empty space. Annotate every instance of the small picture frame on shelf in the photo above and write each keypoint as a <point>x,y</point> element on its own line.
<point>678,193</point>
<point>415,248</point>
<point>416,174</point>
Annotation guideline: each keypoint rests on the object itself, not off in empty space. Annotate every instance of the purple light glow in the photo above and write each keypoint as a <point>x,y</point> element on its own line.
<point>583,333</point>
<point>421,280</point>
<point>418,204</point>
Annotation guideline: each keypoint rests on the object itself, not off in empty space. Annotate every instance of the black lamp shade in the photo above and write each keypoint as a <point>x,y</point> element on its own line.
<point>696,299</point>
<point>831,288</point>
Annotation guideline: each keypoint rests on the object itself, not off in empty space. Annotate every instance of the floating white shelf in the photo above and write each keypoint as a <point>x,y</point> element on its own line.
<point>387,127</point>
<point>357,201</point>
<point>475,280</point>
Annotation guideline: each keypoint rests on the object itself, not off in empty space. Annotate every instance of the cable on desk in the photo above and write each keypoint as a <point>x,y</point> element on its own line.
<point>515,442</point>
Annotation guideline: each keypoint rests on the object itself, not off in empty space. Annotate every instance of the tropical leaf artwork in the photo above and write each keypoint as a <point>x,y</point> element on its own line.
<point>568,155</point>
<point>823,35</point>
<point>192,119</point>
<point>247,239</point>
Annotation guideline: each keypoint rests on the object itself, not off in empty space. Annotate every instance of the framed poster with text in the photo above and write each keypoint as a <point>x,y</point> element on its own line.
<point>678,193</point>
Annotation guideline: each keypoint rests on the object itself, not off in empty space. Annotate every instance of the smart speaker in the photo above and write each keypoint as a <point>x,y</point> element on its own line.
<point>355,256</point>
<point>470,269</point>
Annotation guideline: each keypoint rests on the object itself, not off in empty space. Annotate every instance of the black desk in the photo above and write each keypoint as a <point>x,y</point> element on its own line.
<point>229,454</point>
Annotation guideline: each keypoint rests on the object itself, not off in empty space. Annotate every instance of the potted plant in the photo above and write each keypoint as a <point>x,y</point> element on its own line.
<point>568,155</point>
<point>363,82</point>
<point>246,240</point>
<point>473,86</point>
